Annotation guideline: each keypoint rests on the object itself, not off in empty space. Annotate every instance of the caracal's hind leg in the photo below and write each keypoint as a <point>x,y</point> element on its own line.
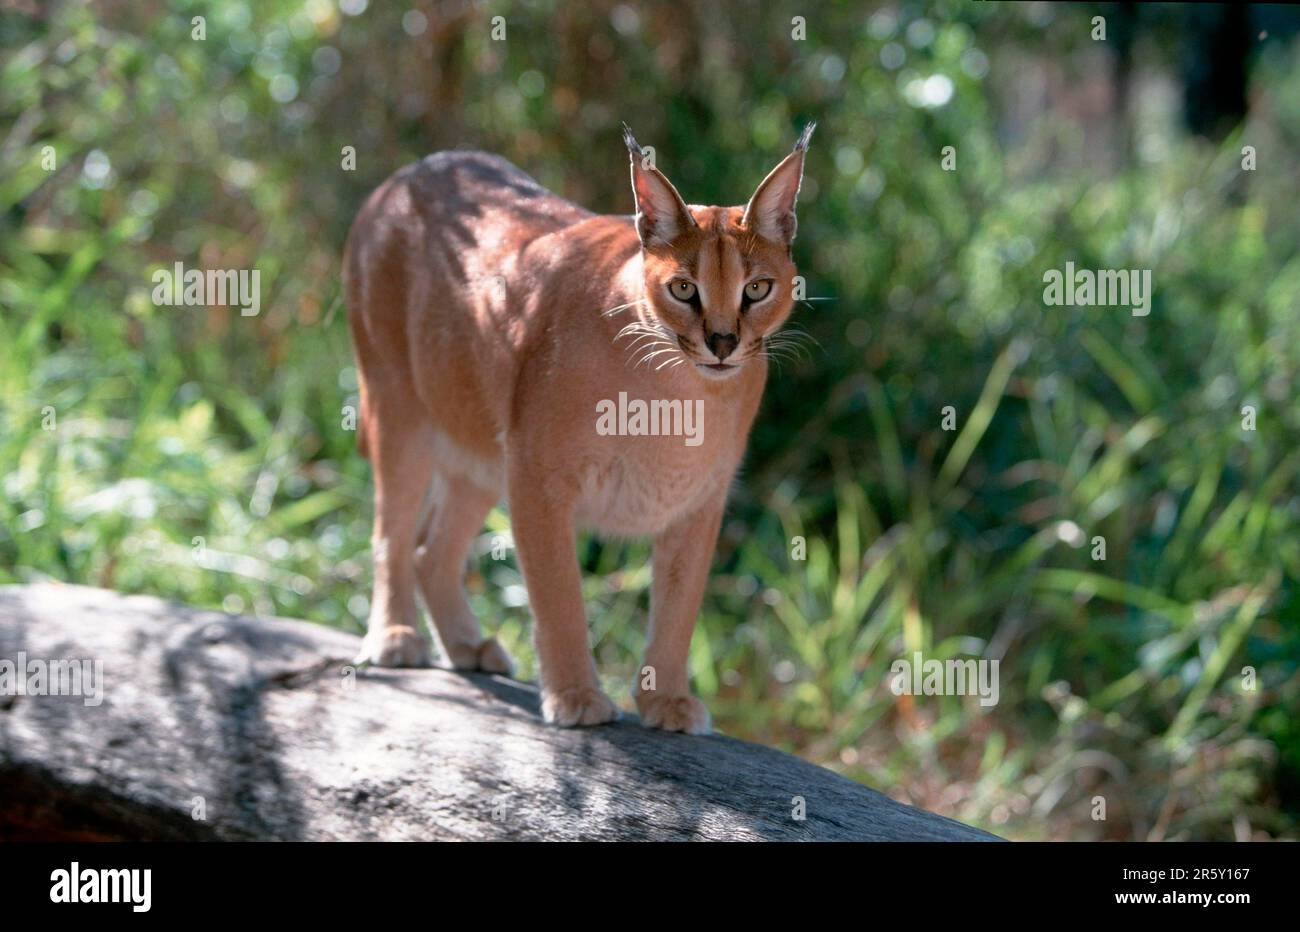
<point>399,442</point>
<point>455,517</point>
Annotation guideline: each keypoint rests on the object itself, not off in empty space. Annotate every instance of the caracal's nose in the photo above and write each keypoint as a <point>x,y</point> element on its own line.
<point>721,344</point>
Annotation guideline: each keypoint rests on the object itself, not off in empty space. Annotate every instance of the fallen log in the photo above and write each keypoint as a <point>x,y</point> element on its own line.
<point>206,726</point>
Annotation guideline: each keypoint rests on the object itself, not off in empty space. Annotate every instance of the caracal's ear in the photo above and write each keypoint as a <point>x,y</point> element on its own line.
<point>661,214</point>
<point>770,212</point>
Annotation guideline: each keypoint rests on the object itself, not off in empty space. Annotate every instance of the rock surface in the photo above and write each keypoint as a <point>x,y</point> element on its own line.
<point>214,727</point>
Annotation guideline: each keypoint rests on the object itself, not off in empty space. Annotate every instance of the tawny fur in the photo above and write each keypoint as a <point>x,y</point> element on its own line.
<point>490,317</point>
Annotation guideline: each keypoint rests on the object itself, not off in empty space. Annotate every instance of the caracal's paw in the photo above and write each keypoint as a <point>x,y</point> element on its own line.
<point>396,646</point>
<point>577,705</point>
<point>674,713</point>
<point>488,656</point>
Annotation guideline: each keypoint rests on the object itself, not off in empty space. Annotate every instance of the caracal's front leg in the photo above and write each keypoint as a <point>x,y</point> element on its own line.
<point>545,543</point>
<point>682,554</point>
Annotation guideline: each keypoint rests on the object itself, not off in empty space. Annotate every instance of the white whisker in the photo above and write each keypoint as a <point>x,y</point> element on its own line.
<point>634,327</point>
<point>647,358</point>
<point>622,307</point>
<point>641,357</point>
<point>643,336</point>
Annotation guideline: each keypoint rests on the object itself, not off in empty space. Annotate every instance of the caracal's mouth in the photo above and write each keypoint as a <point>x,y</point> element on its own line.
<point>710,370</point>
<point>718,370</point>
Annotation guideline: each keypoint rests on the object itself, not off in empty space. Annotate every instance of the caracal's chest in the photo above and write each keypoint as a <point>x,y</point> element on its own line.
<point>638,485</point>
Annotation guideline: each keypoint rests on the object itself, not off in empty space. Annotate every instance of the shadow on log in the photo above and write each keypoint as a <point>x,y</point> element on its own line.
<point>215,727</point>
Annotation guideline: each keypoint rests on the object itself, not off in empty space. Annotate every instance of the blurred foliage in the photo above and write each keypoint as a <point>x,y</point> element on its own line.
<point>200,455</point>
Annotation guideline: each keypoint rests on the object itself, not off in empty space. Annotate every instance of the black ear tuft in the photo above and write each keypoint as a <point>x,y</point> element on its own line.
<point>630,141</point>
<point>804,138</point>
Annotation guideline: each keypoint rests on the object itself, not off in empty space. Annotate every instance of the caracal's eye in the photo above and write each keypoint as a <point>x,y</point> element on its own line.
<point>681,289</point>
<point>758,289</point>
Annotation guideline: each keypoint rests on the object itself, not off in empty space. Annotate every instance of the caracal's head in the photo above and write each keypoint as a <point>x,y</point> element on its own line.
<point>719,280</point>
